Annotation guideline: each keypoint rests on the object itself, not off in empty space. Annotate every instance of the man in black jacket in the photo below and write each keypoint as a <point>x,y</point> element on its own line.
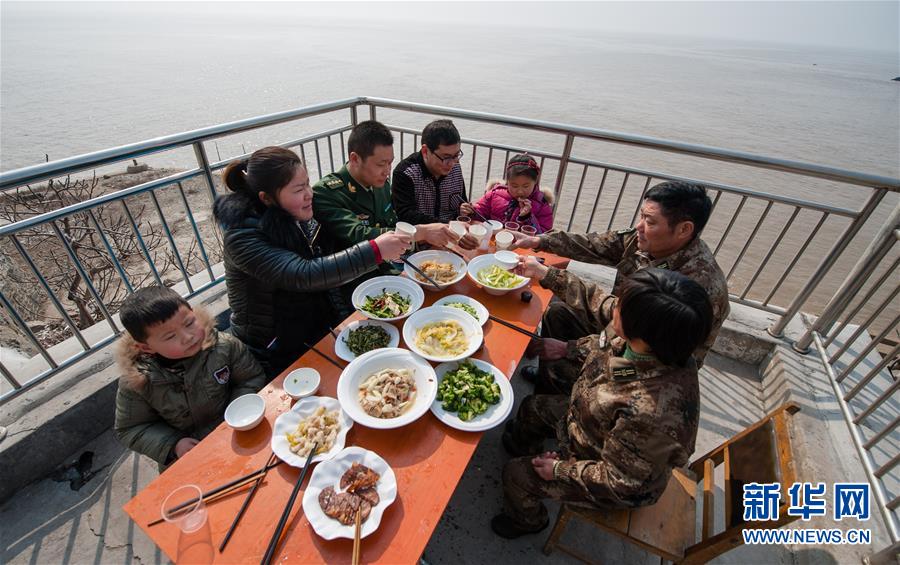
<point>428,186</point>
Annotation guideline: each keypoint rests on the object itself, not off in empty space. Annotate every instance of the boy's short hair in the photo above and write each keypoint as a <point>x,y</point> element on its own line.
<point>368,135</point>
<point>148,307</point>
<point>440,132</point>
<point>682,201</point>
<point>668,311</point>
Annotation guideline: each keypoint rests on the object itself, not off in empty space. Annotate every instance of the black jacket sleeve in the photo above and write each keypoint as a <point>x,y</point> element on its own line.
<point>403,193</point>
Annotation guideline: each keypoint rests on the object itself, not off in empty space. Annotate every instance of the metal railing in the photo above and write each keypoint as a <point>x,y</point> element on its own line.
<point>863,363</point>
<point>614,201</point>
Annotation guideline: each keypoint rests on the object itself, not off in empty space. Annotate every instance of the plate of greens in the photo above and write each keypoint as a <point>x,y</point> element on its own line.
<point>472,396</point>
<point>388,298</point>
<point>363,336</point>
<point>467,304</point>
<point>487,272</point>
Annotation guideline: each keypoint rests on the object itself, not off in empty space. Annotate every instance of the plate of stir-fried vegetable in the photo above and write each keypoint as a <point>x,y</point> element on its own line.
<point>363,336</point>
<point>388,298</point>
<point>472,396</point>
<point>487,272</point>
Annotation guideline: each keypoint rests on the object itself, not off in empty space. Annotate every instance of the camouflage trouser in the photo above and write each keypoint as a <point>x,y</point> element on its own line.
<point>561,321</point>
<point>536,420</point>
<point>523,490</point>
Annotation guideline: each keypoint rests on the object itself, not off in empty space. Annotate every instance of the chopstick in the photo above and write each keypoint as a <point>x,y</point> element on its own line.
<point>464,201</point>
<point>356,537</point>
<point>326,357</point>
<point>331,331</point>
<point>273,544</point>
<point>418,270</point>
<point>513,327</point>
<point>220,491</point>
<point>246,503</point>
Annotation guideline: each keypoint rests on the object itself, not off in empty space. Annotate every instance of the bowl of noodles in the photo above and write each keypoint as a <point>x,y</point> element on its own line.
<point>487,272</point>
<point>387,388</point>
<point>442,333</point>
<point>444,267</point>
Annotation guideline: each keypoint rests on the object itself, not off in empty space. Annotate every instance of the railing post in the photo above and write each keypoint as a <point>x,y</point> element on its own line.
<point>563,165</point>
<point>372,115</point>
<point>354,119</point>
<point>203,161</point>
<point>777,329</point>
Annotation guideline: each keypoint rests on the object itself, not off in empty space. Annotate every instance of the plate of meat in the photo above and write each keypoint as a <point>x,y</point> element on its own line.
<point>354,479</point>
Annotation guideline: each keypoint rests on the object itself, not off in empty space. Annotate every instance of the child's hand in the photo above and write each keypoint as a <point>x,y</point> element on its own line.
<point>184,445</point>
<point>524,207</point>
<point>466,209</point>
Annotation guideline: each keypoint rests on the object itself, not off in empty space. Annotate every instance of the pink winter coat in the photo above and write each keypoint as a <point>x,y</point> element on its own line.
<point>497,204</point>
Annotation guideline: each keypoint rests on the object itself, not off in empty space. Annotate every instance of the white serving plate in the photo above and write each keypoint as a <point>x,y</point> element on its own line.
<point>484,262</point>
<point>340,346</point>
<point>470,325</point>
<point>494,416</point>
<point>459,264</point>
<point>289,421</point>
<point>328,474</point>
<point>374,287</point>
<point>478,306</point>
<point>388,358</point>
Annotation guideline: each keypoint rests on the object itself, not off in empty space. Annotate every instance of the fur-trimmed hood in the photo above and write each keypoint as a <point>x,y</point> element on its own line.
<point>130,357</point>
<point>232,210</point>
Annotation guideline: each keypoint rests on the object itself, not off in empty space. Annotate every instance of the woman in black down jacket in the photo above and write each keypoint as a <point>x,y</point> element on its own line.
<point>281,272</point>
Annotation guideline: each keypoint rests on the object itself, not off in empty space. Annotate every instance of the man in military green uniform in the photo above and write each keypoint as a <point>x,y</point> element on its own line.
<point>667,236</point>
<point>354,203</point>
<point>633,412</point>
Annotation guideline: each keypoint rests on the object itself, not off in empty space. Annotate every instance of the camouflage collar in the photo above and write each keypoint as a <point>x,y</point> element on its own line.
<point>679,258</point>
<point>621,369</point>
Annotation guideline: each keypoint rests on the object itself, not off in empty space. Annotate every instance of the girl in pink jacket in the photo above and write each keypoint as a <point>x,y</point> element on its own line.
<point>518,198</point>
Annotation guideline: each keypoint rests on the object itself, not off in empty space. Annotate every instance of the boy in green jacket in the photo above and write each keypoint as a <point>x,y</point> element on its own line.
<point>178,375</point>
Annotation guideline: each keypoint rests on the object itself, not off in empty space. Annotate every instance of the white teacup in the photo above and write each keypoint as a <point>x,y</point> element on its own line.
<point>504,239</point>
<point>459,228</point>
<point>408,229</point>
<point>480,233</point>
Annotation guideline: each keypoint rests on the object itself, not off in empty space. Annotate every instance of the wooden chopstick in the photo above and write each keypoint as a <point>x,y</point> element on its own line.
<point>246,503</point>
<point>517,328</point>
<point>418,270</point>
<point>356,536</point>
<point>276,537</point>
<point>326,357</point>
<point>220,491</point>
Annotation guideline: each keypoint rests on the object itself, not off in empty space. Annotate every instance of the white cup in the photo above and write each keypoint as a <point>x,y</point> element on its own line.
<point>495,226</point>
<point>408,229</point>
<point>504,239</point>
<point>480,233</point>
<point>459,228</point>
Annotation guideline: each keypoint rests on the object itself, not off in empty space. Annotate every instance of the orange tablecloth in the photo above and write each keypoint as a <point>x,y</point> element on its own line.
<point>427,457</point>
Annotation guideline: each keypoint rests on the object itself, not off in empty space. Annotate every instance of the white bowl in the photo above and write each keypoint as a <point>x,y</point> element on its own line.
<point>495,225</point>
<point>374,287</point>
<point>507,259</point>
<point>289,421</point>
<point>493,417</point>
<point>470,326</point>
<point>340,346</point>
<point>329,474</point>
<point>301,382</point>
<point>459,264</point>
<point>478,306</point>
<point>245,412</point>
<point>369,363</point>
<point>484,262</point>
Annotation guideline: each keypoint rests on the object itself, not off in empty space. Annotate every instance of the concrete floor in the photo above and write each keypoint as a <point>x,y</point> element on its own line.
<point>49,522</point>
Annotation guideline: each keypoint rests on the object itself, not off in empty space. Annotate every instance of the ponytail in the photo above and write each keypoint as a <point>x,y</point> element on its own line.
<point>235,176</point>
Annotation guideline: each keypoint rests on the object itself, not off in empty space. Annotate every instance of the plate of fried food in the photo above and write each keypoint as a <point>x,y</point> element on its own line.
<point>355,479</point>
<point>442,333</point>
<point>387,388</point>
<point>312,420</point>
<point>443,267</point>
<point>363,336</point>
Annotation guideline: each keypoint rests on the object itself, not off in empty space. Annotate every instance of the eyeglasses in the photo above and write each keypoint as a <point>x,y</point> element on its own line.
<point>450,159</point>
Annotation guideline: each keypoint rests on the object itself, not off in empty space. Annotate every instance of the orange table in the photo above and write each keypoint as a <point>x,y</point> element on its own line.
<point>427,457</point>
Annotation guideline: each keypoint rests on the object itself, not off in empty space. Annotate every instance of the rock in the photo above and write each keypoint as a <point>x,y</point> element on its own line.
<point>137,168</point>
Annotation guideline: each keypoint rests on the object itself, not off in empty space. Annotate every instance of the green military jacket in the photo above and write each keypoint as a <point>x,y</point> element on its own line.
<point>619,249</point>
<point>160,402</point>
<point>352,213</point>
<point>630,421</point>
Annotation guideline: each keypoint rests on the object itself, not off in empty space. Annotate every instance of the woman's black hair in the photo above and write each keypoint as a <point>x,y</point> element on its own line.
<point>267,170</point>
<point>147,307</point>
<point>523,164</point>
<point>668,311</point>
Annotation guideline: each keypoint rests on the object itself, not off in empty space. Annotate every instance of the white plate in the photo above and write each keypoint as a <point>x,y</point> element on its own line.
<point>494,416</point>
<point>478,306</point>
<point>471,327</point>
<point>340,346</point>
<point>459,264</point>
<point>484,262</point>
<point>370,363</point>
<point>374,287</point>
<point>289,421</point>
<point>328,474</point>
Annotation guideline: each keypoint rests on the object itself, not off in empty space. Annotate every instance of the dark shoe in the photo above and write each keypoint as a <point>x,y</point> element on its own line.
<point>514,448</point>
<point>505,527</point>
<point>531,373</point>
